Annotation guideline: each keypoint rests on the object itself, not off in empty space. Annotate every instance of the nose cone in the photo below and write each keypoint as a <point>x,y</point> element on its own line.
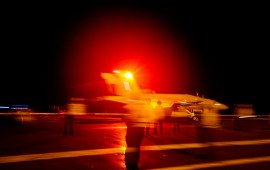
<point>213,104</point>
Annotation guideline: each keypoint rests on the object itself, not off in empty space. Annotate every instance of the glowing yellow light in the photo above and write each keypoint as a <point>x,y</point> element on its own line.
<point>128,75</point>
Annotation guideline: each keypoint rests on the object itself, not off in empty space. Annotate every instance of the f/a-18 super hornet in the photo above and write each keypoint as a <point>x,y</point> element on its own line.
<point>125,90</point>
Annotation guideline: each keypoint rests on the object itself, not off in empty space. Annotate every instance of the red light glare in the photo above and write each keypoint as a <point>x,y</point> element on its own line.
<point>134,41</point>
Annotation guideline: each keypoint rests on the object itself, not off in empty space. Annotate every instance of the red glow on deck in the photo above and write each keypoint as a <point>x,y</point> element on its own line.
<point>124,40</point>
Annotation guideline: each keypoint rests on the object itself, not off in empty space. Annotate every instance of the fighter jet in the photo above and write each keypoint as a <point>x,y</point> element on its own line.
<point>124,89</point>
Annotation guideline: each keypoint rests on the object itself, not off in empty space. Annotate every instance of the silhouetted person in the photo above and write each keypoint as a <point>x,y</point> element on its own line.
<point>176,127</point>
<point>136,120</point>
<point>160,115</point>
<point>148,124</point>
<point>176,119</point>
<point>147,128</point>
<point>207,130</point>
<point>74,107</point>
<point>68,122</point>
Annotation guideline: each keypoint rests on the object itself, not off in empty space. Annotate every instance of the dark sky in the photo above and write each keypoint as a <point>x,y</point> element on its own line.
<point>53,50</point>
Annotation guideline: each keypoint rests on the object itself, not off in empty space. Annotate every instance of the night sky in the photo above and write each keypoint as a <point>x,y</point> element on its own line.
<point>51,51</point>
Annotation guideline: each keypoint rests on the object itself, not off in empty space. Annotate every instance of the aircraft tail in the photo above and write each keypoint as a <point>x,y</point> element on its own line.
<point>121,83</point>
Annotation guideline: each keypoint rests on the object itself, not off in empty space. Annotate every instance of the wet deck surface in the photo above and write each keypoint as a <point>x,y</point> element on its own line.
<point>98,143</point>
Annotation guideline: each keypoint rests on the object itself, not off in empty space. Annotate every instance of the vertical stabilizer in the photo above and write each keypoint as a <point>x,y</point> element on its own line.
<point>121,83</point>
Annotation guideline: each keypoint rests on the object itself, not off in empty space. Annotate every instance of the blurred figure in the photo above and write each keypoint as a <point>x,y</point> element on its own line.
<point>68,122</point>
<point>209,126</point>
<point>147,128</point>
<point>176,127</point>
<point>206,130</point>
<point>241,110</point>
<point>160,115</point>
<point>74,107</point>
<point>176,115</point>
<point>150,113</point>
<point>136,120</point>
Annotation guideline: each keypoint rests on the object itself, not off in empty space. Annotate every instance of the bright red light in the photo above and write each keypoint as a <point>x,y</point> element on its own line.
<point>129,41</point>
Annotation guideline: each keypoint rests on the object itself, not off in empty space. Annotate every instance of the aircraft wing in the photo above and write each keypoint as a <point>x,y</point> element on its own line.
<point>168,100</point>
<point>125,89</point>
<point>188,103</point>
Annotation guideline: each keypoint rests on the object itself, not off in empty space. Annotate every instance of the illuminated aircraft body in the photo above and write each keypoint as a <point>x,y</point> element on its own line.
<point>124,89</point>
